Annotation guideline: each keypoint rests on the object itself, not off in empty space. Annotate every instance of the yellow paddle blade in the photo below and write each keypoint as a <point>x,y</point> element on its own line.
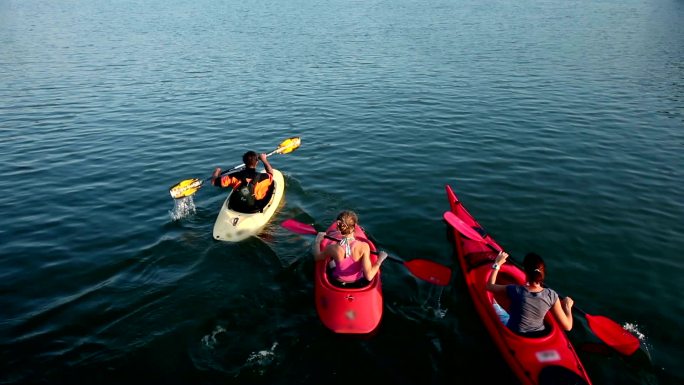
<point>289,145</point>
<point>185,188</point>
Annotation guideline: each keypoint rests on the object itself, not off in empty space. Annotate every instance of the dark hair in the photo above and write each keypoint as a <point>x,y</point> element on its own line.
<point>250,159</point>
<point>346,221</point>
<point>535,269</point>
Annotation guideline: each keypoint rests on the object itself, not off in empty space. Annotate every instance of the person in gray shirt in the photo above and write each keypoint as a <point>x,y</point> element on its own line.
<point>530,302</point>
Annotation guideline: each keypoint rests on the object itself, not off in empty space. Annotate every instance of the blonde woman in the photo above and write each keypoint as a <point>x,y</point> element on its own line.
<point>350,258</point>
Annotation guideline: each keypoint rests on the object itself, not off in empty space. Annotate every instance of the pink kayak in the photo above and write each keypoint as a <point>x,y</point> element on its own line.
<point>347,310</point>
<point>546,359</point>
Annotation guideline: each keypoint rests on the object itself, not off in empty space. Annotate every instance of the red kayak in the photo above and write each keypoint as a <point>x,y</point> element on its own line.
<point>347,310</point>
<point>547,359</point>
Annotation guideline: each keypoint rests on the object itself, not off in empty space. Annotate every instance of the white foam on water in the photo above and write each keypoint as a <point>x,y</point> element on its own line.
<point>263,357</point>
<point>258,361</point>
<point>437,309</point>
<point>210,341</point>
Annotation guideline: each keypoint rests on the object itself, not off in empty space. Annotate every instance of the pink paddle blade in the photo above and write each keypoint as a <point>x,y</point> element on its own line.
<point>298,227</point>
<point>462,227</point>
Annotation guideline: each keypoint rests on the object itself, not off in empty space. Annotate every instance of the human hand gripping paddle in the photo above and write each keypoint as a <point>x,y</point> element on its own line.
<point>188,187</point>
<point>604,328</point>
<point>424,269</point>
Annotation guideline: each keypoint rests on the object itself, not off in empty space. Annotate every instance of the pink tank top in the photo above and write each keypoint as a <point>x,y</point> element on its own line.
<point>348,270</point>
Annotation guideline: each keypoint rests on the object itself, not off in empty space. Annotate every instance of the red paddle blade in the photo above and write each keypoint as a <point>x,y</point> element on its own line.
<point>462,227</point>
<point>298,227</point>
<point>613,334</point>
<point>429,271</point>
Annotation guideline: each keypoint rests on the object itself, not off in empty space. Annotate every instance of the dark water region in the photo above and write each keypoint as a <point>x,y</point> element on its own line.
<point>560,124</point>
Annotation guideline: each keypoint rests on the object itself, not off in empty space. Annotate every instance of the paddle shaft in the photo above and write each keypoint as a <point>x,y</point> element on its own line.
<point>190,186</point>
<point>241,166</point>
<point>422,268</point>
<point>483,240</point>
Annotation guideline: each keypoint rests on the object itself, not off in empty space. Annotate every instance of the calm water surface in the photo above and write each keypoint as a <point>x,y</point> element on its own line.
<point>559,123</point>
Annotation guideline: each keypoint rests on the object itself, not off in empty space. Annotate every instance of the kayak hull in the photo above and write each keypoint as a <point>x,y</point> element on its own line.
<point>233,226</point>
<point>347,310</point>
<point>548,359</point>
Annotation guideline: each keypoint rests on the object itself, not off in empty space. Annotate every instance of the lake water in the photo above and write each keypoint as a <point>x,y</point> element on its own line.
<point>560,124</point>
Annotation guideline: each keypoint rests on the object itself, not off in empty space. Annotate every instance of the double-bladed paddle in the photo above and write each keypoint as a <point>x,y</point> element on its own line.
<point>604,328</point>
<point>424,269</point>
<point>187,187</point>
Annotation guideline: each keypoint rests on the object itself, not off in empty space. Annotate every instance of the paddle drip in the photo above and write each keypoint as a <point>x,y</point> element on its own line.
<point>633,328</point>
<point>182,207</point>
<point>436,309</point>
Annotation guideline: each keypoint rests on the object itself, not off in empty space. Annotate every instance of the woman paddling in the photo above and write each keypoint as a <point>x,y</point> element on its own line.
<point>530,302</point>
<point>350,258</point>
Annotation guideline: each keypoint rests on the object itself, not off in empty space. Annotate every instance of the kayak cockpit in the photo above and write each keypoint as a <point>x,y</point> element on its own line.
<point>360,284</point>
<point>511,276</point>
<point>236,203</point>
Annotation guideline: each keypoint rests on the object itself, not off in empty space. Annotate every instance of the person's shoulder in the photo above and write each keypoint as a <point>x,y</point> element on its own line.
<point>551,293</point>
<point>364,246</point>
<point>334,248</point>
<point>514,289</point>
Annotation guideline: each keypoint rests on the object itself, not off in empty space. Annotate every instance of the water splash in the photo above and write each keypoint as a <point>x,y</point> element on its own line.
<point>258,361</point>
<point>634,329</point>
<point>210,341</point>
<point>182,207</point>
<point>437,309</point>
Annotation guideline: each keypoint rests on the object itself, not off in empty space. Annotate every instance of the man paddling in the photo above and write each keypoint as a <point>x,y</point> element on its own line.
<point>251,189</point>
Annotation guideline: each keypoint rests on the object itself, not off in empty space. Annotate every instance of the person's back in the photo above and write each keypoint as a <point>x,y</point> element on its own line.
<point>531,302</point>
<point>528,308</point>
<point>252,189</point>
<point>351,258</point>
<point>347,257</point>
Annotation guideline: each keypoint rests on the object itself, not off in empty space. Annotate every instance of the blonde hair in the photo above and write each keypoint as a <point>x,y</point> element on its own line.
<point>346,222</point>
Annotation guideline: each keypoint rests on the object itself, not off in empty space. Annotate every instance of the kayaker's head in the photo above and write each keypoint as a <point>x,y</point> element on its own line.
<point>534,268</point>
<point>346,222</point>
<point>250,159</point>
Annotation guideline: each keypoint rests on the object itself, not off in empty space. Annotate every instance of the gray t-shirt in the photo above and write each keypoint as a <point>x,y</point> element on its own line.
<point>528,309</point>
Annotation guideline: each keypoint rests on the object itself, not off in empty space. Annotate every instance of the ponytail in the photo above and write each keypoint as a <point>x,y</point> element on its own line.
<point>346,222</point>
<point>534,268</point>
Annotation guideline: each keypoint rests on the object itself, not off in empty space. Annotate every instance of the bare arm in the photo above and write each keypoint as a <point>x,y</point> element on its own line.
<point>267,166</point>
<point>371,269</point>
<point>562,310</point>
<point>491,282</point>
<point>316,248</point>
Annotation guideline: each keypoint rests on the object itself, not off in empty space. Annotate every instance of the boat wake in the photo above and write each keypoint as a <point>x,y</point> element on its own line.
<point>209,341</point>
<point>259,361</point>
<point>435,292</point>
